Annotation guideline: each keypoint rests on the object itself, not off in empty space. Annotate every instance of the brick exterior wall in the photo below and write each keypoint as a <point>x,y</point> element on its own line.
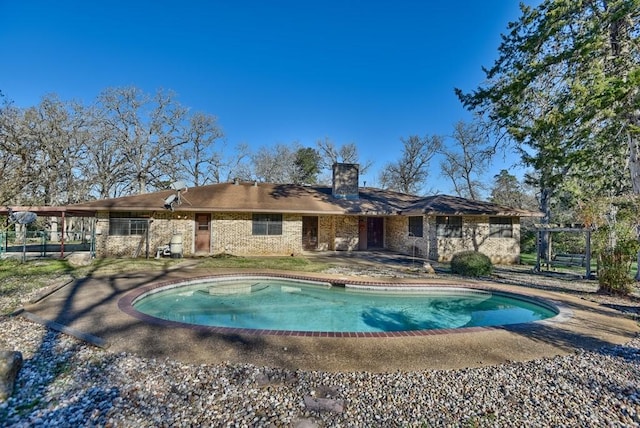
<point>232,233</point>
<point>475,236</point>
<point>326,233</point>
<point>397,237</point>
<point>346,233</point>
<point>161,229</point>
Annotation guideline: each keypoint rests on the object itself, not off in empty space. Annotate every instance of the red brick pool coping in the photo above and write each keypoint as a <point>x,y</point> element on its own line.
<point>125,304</point>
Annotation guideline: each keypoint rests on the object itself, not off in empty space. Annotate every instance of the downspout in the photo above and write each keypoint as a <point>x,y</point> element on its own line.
<point>92,247</point>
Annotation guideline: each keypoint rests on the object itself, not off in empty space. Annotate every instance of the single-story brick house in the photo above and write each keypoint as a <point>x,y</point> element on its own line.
<point>280,219</point>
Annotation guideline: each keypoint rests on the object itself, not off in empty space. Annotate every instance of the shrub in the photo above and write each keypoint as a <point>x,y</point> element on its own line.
<point>528,241</point>
<point>471,263</point>
<point>615,224</point>
<point>614,269</point>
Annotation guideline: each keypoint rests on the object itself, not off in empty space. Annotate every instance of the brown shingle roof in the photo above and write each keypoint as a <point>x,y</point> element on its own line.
<point>261,197</point>
<point>453,205</point>
<point>289,198</point>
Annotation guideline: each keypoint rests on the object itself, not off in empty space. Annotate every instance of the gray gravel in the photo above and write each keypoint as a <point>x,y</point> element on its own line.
<point>65,382</point>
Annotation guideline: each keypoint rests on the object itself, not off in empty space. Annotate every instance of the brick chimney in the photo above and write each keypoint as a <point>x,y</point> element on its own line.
<point>345,180</point>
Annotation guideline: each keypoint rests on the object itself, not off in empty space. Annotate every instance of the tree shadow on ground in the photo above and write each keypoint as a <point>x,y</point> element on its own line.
<point>56,361</point>
<point>117,285</point>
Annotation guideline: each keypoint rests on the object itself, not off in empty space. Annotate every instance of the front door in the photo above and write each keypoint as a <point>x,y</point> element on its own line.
<point>310,233</point>
<point>203,233</point>
<point>375,232</point>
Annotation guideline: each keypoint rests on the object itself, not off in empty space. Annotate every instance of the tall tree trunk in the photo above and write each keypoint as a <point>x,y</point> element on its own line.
<point>545,207</point>
<point>634,169</point>
<point>634,157</point>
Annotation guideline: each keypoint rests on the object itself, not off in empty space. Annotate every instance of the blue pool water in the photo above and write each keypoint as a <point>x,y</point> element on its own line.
<point>276,304</point>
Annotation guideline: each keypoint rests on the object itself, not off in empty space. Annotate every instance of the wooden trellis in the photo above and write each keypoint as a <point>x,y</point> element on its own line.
<point>542,229</point>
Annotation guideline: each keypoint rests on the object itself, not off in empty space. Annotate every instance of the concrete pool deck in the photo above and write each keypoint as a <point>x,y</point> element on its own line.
<point>89,307</point>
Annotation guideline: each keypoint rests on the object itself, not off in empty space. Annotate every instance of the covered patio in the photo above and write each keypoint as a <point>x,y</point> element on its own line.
<point>63,231</point>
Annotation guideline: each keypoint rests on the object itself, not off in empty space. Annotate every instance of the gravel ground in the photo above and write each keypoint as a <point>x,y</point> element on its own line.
<point>65,382</point>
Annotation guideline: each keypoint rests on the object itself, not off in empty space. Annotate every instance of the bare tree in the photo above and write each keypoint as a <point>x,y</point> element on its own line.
<point>227,166</point>
<point>105,161</point>
<point>287,163</point>
<point>148,132</point>
<point>465,163</point>
<point>56,131</point>
<point>275,164</point>
<point>62,152</point>
<point>347,153</point>
<point>236,165</point>
<point>17,153</point>
<point>409,173</point>
<point>205,159</point>
<point>199,156</point>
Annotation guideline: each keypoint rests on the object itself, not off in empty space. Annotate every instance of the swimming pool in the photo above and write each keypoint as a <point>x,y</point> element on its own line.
<point>271,305</point>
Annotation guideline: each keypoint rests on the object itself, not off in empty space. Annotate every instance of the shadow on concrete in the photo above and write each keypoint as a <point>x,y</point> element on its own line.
<point>90,304</point>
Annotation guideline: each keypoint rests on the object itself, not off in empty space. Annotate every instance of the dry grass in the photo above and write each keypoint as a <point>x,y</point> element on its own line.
<point>21,281</point>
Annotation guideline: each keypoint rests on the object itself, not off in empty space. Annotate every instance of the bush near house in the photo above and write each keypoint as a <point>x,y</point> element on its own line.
<point>471,263</point>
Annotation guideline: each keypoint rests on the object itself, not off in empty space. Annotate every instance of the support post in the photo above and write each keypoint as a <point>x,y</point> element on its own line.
<point>538,239</point>
<point>62,236</point>
<point>587,255</point>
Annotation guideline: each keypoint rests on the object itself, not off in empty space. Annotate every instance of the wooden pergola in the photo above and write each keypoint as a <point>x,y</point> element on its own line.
<point>543,228</point>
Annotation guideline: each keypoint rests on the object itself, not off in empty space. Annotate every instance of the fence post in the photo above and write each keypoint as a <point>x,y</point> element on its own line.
<point>93,239</point>
<point>24,243</point>
<point>44,243</point>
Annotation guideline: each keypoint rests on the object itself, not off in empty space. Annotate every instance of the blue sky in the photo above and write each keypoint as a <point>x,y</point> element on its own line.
<point>367,72</point>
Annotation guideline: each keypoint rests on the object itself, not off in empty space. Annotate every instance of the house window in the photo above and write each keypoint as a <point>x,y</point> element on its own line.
<point>449,226</point>
<point>126,224</point>
<point>267,224</point>
<point>500,227</point>
<point>415,226</point>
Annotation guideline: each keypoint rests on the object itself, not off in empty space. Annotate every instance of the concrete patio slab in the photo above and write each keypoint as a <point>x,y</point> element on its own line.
<point>90,306</point>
